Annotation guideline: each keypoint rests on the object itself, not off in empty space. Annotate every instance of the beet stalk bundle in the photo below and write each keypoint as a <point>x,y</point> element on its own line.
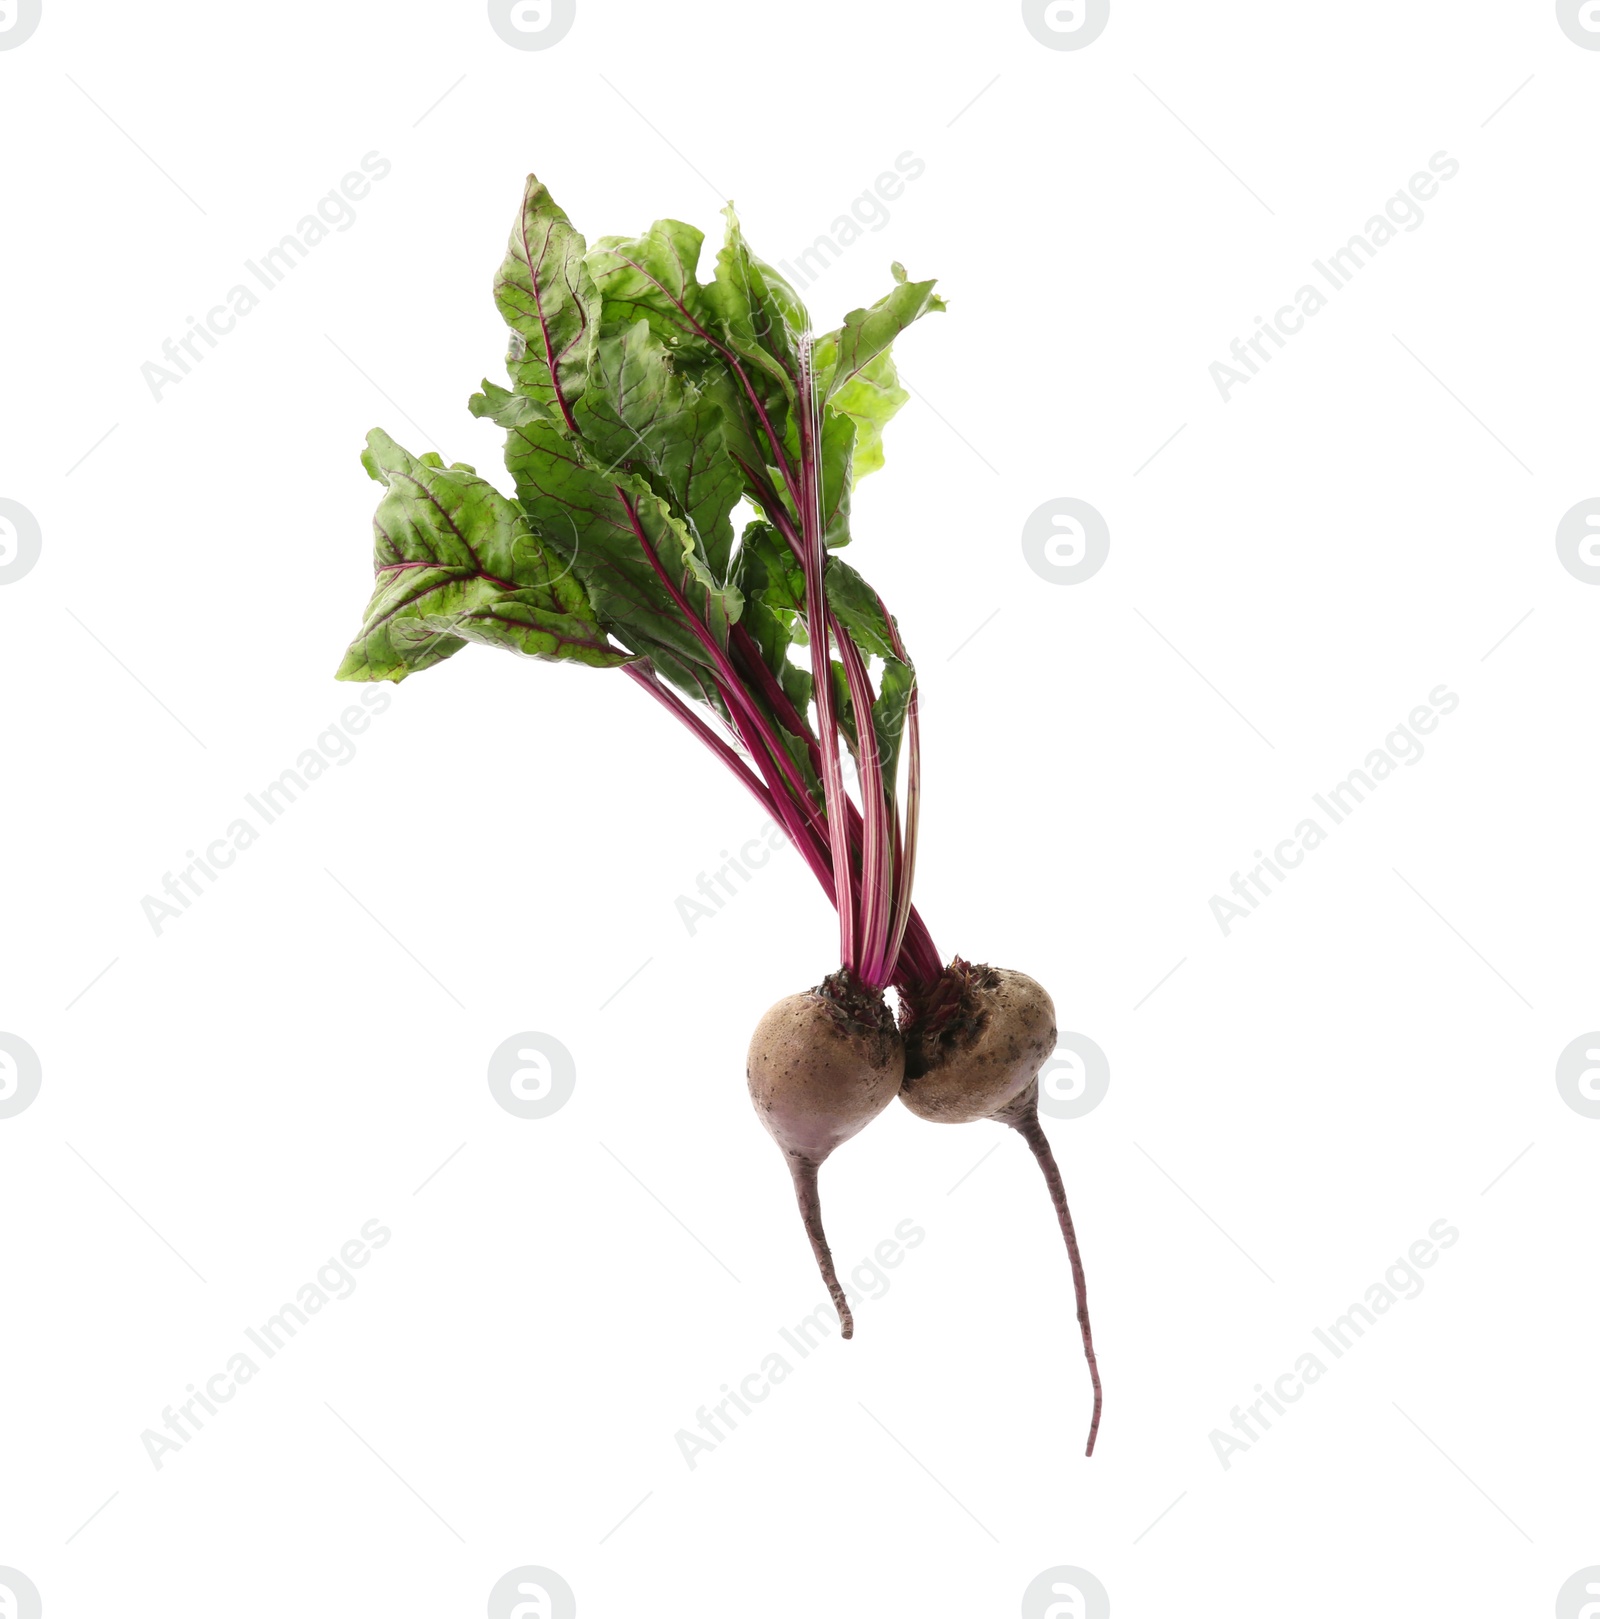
<point>644,405</point>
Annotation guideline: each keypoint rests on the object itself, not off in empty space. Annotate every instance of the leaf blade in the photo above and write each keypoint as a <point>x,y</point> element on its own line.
<point>455,561</point>
<point>547,297</point>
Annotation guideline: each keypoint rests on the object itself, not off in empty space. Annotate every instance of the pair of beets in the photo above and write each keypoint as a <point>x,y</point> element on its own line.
<point>825,1063</point>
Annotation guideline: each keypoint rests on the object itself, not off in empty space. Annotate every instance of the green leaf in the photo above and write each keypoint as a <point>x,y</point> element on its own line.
<point>767,570</point>
<point>855,604</point>
<point>653,277</point>
<point>758,320</point>
<point>745,441</point>
<point>757,313</point>
<point>844,709</point>
<point>867,333</point>
<point>600,523</point>
<point>838,465</point>
<point>858,369</point>
<point>640,416</point>
<point>773,587</point>
<point>746,310</point>
<point>895,686</point>
<point>457,562</point>
<point>545,293</point>
<point>861,616</point>
<point>870,399</point>
<point>498,404</point>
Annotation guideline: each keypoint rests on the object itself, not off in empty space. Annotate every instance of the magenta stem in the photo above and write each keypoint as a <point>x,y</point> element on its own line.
<point>875,875</point>
<point>805,493</point>
<point>815,560</point>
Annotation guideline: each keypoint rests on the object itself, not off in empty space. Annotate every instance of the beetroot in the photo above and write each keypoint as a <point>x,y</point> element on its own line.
<point>974,1047</point>
<point>822,1065</point>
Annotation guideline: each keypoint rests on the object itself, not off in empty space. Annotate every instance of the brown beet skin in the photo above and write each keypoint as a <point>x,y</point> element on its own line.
<point>818,1076</point>
<point>987,1055</point>
<point>823,1065</point>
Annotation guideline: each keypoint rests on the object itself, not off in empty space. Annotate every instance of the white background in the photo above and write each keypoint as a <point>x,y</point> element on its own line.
<point>1292,574</point>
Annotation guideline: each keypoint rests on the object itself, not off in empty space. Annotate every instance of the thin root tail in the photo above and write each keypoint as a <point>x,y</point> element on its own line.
<point>1023,1117</point>
<point>804,1172</point>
